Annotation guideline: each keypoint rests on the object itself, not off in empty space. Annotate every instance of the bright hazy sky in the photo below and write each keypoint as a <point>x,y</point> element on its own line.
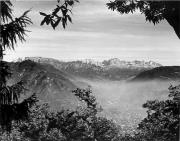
<point>97,33</point>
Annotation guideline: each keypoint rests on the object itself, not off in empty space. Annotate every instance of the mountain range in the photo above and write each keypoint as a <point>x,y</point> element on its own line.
<point>49,77</point>
<point>53,81</point>
<point>114,62</point>
<point>112,69</point>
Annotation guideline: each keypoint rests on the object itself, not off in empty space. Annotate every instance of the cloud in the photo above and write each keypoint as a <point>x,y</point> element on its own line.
<point>97,33</point>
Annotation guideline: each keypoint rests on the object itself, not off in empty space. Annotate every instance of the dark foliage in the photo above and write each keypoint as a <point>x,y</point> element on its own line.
<point>162,121</point>
<point>81,124</point>
<point>154,11</point>
<point>61,14</point>
<point>12,30</point>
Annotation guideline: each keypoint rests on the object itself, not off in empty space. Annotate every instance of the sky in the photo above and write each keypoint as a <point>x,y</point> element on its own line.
<point>96,33</point>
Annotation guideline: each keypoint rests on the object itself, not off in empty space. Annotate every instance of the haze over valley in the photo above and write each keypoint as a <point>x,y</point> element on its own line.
<point>120,87</point>
<point>90,70</point>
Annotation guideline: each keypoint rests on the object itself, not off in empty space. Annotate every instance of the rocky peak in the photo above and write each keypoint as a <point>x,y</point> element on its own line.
<point>114,62</point>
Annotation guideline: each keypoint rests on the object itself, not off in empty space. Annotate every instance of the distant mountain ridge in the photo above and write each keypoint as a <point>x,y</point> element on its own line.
<point>130,64</point>
<point>114,62</point>
<point>113,69</point>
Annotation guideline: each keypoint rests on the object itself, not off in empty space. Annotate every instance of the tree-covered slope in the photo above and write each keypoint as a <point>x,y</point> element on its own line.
<point>160,73</point>
<point>49,84</point>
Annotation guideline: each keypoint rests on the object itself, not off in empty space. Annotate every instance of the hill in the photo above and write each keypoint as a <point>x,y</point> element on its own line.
<point>159,73</point>
<point>53,80</point>
<point>50,84</point>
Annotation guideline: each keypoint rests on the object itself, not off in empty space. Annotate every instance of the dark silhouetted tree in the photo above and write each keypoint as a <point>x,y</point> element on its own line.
<point>162,121</point>
<point>154,11</point>
<point>12,29</point>
<point>81,124</point>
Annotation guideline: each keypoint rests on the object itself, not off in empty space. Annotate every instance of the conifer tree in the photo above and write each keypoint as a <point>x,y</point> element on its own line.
<point>12,29</point>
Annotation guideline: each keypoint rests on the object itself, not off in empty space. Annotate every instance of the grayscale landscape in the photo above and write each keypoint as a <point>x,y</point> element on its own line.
<point>89,70</point>
<point>120,87</point>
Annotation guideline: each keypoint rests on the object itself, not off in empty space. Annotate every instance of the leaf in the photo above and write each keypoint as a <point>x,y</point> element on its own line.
<point>71,2</point>
<point>64,12</point>
<point>69,18</point>
<point>43,14</point>
<point>56,10</point>
<point>52,24</point>
<point>56,23</point>
<point>48,20</point>
<point>64,24</point>
<point>43,21</point>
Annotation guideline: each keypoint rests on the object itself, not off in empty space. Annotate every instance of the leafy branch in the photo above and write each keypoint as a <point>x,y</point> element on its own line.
<point>61,14</point>
<point>15,30</point>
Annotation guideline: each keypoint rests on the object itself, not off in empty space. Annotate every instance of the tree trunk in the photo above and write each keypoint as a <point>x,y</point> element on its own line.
<point>173,16</point>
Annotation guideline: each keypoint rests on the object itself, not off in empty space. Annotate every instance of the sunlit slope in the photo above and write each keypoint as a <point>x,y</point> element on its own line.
<point>166,73</point>
<point>51,85</point>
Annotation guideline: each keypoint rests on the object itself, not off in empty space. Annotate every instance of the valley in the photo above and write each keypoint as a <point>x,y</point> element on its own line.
<point>120,97</point>
<point>122,101</point>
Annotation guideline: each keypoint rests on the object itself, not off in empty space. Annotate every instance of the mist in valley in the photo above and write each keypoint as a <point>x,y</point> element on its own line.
<point>122,101</point>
